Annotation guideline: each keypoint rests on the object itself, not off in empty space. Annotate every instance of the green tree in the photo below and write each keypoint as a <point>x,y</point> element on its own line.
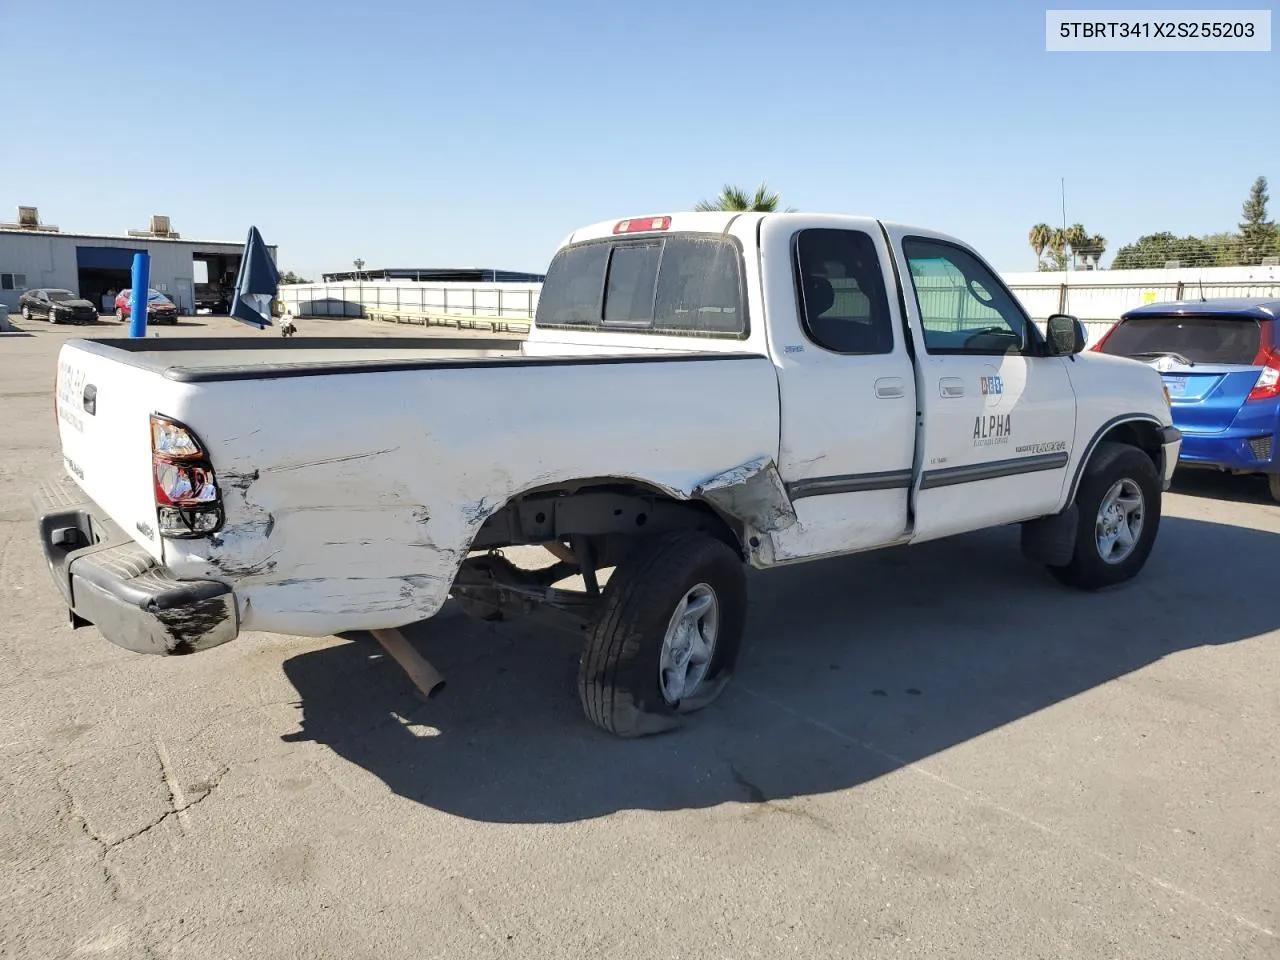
<point>1258,234</point>
<point>1156,249</point>
<point>1225,249</point>
<point>1038,237</point>
<point>290,277</point>
<point>1089,247</point>
<point>737,199</point>
<point>1097,247</point>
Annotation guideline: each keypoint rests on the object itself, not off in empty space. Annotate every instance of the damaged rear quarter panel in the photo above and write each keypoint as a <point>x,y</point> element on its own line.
<point>351,500</point>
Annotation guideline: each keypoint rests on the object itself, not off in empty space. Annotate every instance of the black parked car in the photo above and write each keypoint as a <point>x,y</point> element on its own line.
<point>57,306</point>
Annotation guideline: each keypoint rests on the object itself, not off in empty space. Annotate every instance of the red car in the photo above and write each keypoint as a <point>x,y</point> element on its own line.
<point>160,309</point>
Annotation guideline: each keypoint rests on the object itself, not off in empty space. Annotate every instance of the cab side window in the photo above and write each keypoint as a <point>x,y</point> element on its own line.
<point>844,307</point>
<point>964,308</point>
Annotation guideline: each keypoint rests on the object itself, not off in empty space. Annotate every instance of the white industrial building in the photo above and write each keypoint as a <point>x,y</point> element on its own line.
<point>97,266</point>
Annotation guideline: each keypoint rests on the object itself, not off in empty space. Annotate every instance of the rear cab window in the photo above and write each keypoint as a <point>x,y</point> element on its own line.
<point>1198,339</point>
<point>685,284</point>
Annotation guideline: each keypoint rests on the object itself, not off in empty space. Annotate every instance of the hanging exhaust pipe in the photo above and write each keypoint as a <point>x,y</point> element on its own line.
<point>424,676</point>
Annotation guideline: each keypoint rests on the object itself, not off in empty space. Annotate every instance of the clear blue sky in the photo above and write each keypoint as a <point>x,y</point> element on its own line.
<point>452,134</point>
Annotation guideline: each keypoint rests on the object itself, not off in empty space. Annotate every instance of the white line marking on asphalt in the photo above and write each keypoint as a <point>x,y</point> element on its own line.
<point>178,798</point>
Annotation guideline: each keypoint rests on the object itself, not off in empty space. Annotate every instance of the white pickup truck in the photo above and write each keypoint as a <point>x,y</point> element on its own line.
<point>700,392</point>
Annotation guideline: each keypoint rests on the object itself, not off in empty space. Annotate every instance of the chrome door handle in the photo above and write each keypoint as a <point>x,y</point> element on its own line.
<point>951,387</point>
<point>887,388</point>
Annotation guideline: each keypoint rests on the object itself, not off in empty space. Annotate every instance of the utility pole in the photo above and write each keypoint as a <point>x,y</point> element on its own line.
<point>359,265</point>
<point>1063,184</point>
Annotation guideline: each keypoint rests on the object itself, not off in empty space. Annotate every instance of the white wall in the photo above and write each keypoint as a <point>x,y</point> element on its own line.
<point>1098,297</point>
<point>515,301</point>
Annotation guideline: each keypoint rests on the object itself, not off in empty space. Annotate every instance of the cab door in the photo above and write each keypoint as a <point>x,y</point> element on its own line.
<point>998,416</point>
<point>845,383</point>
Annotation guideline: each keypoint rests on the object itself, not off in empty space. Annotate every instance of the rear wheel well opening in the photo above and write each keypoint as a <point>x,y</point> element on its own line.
<point>588,529</point>
<point>607,514</point>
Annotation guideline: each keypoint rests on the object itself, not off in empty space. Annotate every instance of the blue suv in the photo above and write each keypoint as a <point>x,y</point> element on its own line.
<point>1220,360</point>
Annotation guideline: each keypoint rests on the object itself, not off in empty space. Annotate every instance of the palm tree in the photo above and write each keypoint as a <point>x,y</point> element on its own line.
<point>1097,247</point>
<point>1058,248</point>
<point>737,199</point>
<point>1039,239</point>
<point>1077,240</point>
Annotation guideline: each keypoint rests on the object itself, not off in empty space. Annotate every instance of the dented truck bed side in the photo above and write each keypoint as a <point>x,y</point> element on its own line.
<point>324,533</point>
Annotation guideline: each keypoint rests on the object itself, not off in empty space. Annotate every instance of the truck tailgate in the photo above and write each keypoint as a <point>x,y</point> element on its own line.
<point>103,409</point>
<point>107,390</point>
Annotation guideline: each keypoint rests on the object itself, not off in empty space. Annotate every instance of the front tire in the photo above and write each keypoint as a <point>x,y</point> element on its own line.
<point>667,637</point>
<point>1119,514</point>
<point>119,315</point>
<point>1274,480</point>
<point>26,312</point>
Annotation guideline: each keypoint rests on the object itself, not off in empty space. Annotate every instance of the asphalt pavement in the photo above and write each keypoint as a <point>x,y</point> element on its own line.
<point>928,752</point>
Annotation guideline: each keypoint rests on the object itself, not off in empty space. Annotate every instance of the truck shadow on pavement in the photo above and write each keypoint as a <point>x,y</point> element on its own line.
<point>852,668</point>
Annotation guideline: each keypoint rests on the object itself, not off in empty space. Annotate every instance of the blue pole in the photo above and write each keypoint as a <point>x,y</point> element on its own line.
<point>138,297</point>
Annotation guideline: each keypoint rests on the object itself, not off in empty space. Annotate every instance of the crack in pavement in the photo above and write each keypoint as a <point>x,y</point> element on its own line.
<point>175,810</point>
<point>74,816</point>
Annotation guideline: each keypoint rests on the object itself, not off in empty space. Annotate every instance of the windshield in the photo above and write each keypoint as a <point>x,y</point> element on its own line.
<point>1197,339</point>
<point>57,296</point>
<point>153,296</point>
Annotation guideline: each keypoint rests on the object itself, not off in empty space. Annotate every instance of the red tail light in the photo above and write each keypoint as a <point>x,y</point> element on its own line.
<point>188,501</point>
<point>1268,385</point>
<point>1097,346</point>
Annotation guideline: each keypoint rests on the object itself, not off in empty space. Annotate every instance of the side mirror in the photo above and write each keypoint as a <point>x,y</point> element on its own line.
<point>1066,335</point>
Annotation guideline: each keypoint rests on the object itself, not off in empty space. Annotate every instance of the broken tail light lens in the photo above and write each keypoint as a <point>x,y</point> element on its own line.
<point>188,501</point>
<point>184,483</point>
<point>183,524</point>
<point>172,440</point>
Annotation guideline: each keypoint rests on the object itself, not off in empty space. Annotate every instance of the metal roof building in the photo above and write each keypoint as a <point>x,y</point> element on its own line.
<point>438,275</point>
<point>96,266</point>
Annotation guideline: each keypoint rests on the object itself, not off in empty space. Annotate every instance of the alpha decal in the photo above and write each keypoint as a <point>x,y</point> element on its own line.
<point>1056,446</point>
<point>992,429</point>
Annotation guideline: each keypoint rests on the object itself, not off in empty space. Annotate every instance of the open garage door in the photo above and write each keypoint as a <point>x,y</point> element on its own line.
<point>215,280</point>
<point>103,272</point>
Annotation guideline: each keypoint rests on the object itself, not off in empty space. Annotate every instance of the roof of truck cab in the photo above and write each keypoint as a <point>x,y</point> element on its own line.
<point>688,221</point>
<point>720,222</point>
<point>1256,308</point>
<point>716,222</point>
